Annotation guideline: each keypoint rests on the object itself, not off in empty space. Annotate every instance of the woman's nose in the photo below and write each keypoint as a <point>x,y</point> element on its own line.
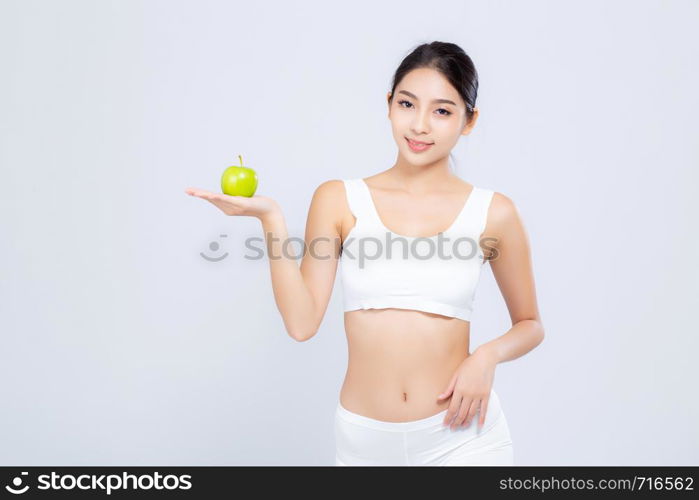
<point>421,123</point>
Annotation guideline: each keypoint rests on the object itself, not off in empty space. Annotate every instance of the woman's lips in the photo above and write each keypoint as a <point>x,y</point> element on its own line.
<point>417,147</point>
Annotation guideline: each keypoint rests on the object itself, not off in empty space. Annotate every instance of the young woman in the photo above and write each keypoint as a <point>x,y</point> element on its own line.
<point>412,241</point>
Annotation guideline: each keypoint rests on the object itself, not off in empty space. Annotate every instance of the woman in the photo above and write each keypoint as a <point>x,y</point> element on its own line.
<point>413,393</point>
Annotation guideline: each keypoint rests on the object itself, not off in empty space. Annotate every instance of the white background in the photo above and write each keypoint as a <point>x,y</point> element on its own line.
<point>120,344</point>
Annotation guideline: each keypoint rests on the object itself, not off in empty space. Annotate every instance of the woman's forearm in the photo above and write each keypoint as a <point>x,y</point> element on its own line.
<point>524,336</point>
<point>292,296</point>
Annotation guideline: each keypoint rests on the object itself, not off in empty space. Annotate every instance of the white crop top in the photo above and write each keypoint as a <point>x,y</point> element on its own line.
<point>438,274</point>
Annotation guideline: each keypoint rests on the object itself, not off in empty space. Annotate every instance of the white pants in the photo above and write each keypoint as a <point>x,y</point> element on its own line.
<point>361,440</point>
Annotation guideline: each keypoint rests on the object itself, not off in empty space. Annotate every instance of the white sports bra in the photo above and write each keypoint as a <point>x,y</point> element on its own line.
<point>437,274</point>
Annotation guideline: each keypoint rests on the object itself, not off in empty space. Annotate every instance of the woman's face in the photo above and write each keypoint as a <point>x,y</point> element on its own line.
<point>419,111</point>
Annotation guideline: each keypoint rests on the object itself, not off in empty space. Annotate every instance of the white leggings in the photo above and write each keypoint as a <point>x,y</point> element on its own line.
<point>361,440</point>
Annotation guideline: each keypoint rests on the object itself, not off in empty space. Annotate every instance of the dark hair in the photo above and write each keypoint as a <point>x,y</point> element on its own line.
<point>451,61</point>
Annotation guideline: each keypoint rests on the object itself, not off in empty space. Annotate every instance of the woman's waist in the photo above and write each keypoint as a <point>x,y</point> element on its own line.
<point>408,367</point>
<point>394,391</point>
<point>392,406</point>
<point>400,361</point>
<point>406,358</point>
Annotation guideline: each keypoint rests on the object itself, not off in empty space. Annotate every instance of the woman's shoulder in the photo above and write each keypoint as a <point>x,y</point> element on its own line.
<point>504,215</point>
<point>332,195</point>
<point>501,205</point>
<point>330,188</point>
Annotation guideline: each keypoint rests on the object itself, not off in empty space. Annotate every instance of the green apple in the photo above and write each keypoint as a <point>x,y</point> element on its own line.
<point>238,180</point>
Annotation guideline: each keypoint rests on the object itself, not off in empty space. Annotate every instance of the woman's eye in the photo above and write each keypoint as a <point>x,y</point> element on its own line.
<point>446,112</point>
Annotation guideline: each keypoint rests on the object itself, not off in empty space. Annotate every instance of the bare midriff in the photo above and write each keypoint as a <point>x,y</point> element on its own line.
<point>399,361</point>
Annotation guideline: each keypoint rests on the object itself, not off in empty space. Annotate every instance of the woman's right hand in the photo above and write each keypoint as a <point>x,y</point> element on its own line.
<point>255,206</point>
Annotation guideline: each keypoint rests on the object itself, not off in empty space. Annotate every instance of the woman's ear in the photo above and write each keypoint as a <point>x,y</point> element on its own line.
<point>471,123</point>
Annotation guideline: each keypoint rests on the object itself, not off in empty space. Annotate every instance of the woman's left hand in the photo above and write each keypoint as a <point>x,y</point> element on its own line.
<point>470,386</point>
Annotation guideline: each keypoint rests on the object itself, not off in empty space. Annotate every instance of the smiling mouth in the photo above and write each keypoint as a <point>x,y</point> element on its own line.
<point>416,147</point>
<point>419,143</point>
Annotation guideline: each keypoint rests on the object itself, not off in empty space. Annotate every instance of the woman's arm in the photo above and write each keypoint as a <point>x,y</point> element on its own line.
<point>512,267</point>
<point>302,294</point>
<point>469,387</point>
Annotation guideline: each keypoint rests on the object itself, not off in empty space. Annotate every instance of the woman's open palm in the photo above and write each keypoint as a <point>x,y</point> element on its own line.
<point>254,206</point>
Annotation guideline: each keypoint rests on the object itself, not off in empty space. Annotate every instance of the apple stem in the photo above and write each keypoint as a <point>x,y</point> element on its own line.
<point>241,160</point>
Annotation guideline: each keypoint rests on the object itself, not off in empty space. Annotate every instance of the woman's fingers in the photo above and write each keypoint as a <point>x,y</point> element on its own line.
<point>472,411</point>
<point>208,195</point>
<point>253,206</point>
<point>484,408</point>
<point>204,195</point>
<point>201,193</point>
<point>194,191</point>
<point>463,411</point>
<point>454,405</point>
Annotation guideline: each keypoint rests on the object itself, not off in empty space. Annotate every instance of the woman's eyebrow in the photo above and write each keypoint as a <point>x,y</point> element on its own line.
<point>410,94</point>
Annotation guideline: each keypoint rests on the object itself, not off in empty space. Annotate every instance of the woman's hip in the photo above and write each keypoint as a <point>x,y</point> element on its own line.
<point>362,440</point>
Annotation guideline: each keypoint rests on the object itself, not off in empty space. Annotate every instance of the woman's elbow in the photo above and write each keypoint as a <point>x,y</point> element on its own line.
<point>542,333</point>
<point>301,336</point>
